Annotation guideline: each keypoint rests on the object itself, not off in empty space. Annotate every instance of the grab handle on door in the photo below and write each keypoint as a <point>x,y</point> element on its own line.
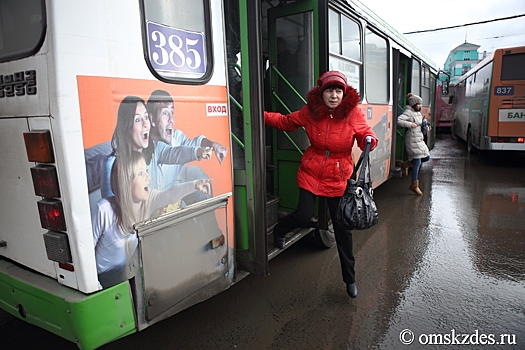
<point>217,242</point>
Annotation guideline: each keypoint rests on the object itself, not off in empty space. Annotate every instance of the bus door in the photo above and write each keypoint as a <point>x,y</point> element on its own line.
<point>400,73</point>
<point>245,87</point>
<point>294,58</point>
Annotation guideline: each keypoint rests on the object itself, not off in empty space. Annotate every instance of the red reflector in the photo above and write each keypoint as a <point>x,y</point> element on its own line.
<point>66,267</point>
<point>51,214</point>
<point>39,147</point>
<point>45,181</point>
<point>521,139</point>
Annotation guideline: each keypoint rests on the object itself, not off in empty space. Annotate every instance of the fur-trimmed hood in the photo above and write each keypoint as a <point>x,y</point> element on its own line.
<point>319,110</point>
<point>327,162</point>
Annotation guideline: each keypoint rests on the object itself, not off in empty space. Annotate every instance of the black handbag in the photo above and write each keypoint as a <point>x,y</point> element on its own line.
<point>357,209</point>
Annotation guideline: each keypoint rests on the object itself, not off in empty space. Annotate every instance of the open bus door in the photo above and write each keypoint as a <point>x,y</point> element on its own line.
<point>400,73</point>
<point>403,73</point>
<point>294,44</point>
<point>245,80</point>
<point>291,52</point>
<point>265,162</point>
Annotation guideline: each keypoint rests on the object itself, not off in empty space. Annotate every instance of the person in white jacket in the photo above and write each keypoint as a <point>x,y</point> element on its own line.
<point>415,145</point>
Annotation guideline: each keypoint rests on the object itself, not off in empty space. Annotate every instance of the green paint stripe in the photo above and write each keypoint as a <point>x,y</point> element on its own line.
<point>90,321</point>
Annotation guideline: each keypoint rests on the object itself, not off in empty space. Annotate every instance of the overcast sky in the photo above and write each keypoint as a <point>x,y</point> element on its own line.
<point>408,16</point>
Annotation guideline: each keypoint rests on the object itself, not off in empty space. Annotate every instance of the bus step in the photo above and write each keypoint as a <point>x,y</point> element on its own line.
<point>272,214</point>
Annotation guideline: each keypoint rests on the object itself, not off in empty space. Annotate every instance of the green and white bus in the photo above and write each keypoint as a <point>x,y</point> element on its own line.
<point>97,241</point>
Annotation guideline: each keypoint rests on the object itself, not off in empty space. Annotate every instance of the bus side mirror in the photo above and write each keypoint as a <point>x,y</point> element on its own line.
<point>444,88</point>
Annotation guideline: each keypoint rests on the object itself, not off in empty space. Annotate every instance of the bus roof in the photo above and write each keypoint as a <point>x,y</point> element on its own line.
<point>391,32</point>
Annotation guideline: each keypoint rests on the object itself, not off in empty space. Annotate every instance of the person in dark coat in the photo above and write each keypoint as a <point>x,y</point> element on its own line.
<point>333,123</point>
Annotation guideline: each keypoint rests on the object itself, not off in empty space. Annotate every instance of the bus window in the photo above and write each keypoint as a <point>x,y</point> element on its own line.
<point>351,44</point>
<point>425,86</point>
<point>469,92</point>
<point>512,67</point>
<point>345,47</point>
<point>415,78</point>
<point>178,40</point>
<point>333,32</point>
<point>444,88</point>
<point>294,59</point>
<point>376,67</point>
<point>484,74</point>
<point>22,28</point>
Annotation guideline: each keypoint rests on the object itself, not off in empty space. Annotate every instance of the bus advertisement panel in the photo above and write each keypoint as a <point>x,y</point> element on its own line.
<point>158,149</point>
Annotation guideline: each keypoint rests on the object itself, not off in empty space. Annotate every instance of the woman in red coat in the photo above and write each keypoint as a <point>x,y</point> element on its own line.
<point>333,122</point>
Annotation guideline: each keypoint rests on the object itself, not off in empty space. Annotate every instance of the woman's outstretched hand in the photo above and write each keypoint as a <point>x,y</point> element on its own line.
<point>372,141</point>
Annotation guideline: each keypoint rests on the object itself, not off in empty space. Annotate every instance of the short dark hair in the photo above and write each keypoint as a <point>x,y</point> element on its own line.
<point>335,86</point>
<point>157,100</point>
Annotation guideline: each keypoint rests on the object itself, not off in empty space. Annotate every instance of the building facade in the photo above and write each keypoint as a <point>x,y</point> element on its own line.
<point>461,59</point>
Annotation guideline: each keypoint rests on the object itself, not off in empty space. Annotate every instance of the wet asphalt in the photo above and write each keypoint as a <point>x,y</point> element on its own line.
<point>442,271</point>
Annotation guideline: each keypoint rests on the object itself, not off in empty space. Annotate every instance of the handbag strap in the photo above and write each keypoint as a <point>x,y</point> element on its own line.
<point>366,162</point>
<point>364,156</point>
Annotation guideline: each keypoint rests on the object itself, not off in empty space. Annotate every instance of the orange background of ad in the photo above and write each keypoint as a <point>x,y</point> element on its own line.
<point>99,99</point>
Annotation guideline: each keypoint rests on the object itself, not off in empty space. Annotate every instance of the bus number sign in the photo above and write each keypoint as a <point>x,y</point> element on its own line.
<point>504,90</point>
<point>176,50</point>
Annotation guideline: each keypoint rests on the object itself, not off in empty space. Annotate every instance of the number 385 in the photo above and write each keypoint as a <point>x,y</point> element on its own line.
<point>175,51</point>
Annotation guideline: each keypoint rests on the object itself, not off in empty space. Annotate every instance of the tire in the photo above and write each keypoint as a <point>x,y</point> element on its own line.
<point>322,238</point>
<point>471,149</point>
<point>469,141</point>
<point>452,130</point>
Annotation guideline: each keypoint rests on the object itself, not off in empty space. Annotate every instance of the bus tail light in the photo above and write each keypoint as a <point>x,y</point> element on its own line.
<point>51,214</point>
<point>45,181</point>
<point>65,266</point>
<point>39,146</point>
<point>507,139</point>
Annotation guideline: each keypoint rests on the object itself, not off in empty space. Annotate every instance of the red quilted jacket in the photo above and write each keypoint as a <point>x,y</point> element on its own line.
<point>325,173</point>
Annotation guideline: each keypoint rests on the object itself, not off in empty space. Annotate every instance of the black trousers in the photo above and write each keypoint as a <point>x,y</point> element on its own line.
<point>301,218</point>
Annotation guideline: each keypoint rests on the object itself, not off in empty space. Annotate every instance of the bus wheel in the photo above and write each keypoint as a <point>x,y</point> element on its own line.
<point>469,141</point>
<point>470,146</point>
<point>322,238</point>
<point>453,129</point>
